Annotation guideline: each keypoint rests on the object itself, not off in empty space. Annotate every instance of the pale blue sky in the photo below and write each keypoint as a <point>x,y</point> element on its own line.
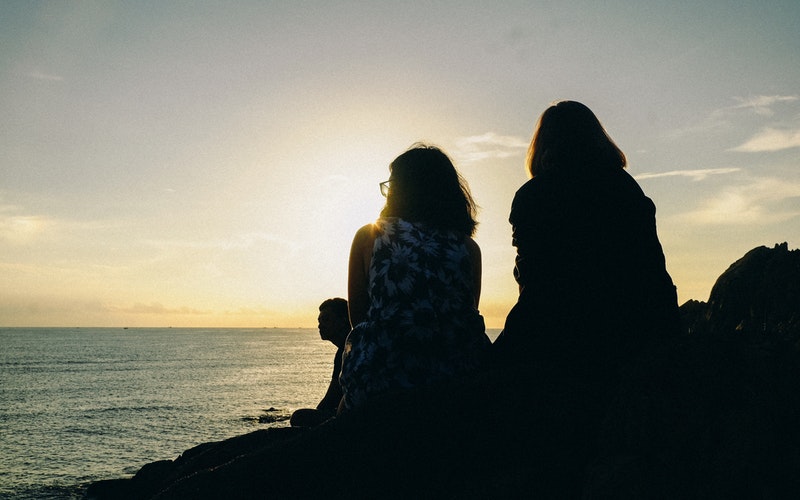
<point>207,163</point>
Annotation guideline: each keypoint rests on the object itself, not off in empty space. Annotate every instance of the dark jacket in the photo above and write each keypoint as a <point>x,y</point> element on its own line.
<point>594,289</point>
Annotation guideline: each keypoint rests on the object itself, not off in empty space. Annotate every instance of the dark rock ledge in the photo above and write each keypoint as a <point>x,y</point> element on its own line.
<point>713,414</point>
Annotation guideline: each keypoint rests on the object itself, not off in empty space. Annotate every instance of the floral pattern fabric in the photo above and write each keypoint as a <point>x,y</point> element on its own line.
<point>422,325</point>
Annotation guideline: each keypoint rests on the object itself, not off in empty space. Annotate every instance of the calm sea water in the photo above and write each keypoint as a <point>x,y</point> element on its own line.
<point>77,405</point>
<point>82,404</point>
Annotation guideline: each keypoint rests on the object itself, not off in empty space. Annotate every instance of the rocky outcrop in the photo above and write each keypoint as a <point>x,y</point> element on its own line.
<point>757,299</point>
<point>712,414</point>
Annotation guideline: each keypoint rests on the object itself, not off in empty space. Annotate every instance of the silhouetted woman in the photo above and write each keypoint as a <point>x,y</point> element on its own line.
<point>593,293</point>
<point>593,286</point>
<point>414,283</point>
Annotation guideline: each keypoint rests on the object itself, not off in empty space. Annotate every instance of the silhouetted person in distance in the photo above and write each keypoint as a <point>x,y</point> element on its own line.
<point>414,284</point>
<point>593,285</point>
<point>334,325</point>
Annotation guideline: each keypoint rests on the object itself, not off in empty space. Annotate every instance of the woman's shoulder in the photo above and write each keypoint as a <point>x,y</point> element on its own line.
<point>385,227</point>
<point>532,196</point>
<point>365,235</point>
<point>472,247</point>
<point>529,186</point>
<point>543,186</point>
<point>631,193</point>
<point>626,180</point>
<point>367,229</point>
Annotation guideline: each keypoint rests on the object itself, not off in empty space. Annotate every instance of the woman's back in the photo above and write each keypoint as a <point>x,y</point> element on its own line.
<point>590,268</point>
<point>422,324</point>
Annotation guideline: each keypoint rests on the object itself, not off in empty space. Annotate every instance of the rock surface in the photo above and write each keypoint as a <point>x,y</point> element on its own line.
<point>712,414</point>
<point>756,299</point>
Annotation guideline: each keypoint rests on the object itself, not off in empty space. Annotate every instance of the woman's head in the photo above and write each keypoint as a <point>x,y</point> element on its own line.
<point>425,187</point>
<point>569,137</point>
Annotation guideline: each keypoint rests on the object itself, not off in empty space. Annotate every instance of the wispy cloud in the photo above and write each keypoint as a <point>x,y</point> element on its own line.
<point>488,146</point>
<point>774,133</point>
<point>759,202</point>
<point>762,104</point>
<point>770,139</point>
<point>156,308</point>
<point>21,308</point>
<point>744,109</point>
<point>22,228</point>
<point>695,175</point>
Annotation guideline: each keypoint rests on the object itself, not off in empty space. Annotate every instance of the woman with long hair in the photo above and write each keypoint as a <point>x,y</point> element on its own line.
<point>594,293</point>
<point>593,284</point>
<point>414,283</point>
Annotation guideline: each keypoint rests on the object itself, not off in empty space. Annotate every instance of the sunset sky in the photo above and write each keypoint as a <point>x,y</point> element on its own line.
<point>207,163</point>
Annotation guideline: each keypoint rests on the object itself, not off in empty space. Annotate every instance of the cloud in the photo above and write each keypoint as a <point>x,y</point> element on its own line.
<point>488,146</point>
<point>695,175</point>
<point>22,228</point>
<point>155,308</point>
<point>731,117</point>
<point>769,140</point>
<point>759,202</point>
<point>25,309</point>
<point>250,311</point>
<point>762,104</point>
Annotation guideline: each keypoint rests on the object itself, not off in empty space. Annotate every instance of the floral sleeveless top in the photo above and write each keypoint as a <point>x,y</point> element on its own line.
<point>422,325</point>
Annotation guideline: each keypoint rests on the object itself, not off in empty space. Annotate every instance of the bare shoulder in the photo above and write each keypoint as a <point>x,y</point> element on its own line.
<point>474,249</point>
<point>365,235</point>
<point>364,239</point>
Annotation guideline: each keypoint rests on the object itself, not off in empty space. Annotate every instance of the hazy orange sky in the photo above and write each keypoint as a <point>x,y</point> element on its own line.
<point>207,163</point>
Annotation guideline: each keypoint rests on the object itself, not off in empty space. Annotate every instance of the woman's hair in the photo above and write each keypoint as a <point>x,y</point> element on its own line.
<point>425,187</point>
<point>570,138</point>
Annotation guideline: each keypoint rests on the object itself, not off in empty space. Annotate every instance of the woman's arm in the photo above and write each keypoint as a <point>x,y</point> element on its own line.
<point>475,258</point>
<point>358,274</point>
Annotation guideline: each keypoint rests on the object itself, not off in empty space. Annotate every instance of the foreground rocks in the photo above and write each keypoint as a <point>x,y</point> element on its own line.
<point>712,414</point>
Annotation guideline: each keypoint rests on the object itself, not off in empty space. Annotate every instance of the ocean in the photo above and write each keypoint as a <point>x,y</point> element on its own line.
<point>82,404</point>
